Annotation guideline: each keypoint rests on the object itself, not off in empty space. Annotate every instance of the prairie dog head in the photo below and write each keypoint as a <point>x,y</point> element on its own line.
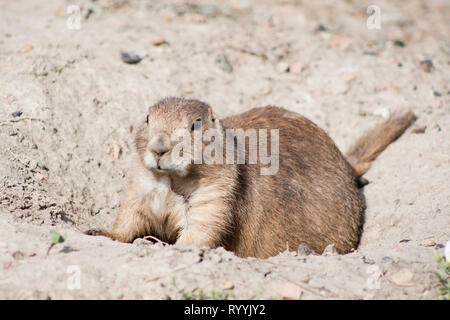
<point>166,141</point>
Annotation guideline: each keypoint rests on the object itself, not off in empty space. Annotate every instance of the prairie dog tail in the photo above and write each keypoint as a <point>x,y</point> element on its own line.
<point>373,142</point>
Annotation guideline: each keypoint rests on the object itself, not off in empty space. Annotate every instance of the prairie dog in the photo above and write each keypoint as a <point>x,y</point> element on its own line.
<point>313,196</point>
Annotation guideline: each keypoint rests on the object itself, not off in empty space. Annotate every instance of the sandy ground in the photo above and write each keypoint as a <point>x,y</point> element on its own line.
<point>63,159</point>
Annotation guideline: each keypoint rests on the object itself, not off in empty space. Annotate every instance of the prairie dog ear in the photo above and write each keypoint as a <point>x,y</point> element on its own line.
<point>211,115</point>
<point>214,118</point>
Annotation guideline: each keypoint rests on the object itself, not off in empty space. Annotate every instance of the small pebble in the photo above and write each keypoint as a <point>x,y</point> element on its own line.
<point>223,63</point>
<point>120,296</point>
<point>139,242</point>
<point>27,48</point>
<point>419,130</point>
<point>320,28</point>
<point>282,67</point>
<point>33,164</point>
<point>387,260</point>
<point>303,250</point>
<point>41,164</point>
<point>427,65</point>
<point>428,243</point>
<point>368,260</point>
<point>315,283</point>
<point>17,114</point>
<point>39,295</point>
<point>296,68</point>
<point>330,250</point>
<point>226,285</point>
<point>158,41</point>
<point>130,58</point>
<point>403,278</point>
<point>18,255</point>
<point>291,291</point>
<point>399,43</point>
<point>383,112</point>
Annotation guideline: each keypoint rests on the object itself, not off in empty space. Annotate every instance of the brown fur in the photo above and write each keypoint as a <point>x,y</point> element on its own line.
<point>313,198</point>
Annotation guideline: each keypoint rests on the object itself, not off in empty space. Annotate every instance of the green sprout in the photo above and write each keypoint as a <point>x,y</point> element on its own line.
<point>444,290</point>
<point>55,238</point>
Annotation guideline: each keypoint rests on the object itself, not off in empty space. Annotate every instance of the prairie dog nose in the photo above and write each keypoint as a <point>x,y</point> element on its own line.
<point>160,143</point>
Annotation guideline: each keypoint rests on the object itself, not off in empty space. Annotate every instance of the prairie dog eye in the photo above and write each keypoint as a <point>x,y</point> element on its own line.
<point>197,124</point>
<point>146,120</point>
